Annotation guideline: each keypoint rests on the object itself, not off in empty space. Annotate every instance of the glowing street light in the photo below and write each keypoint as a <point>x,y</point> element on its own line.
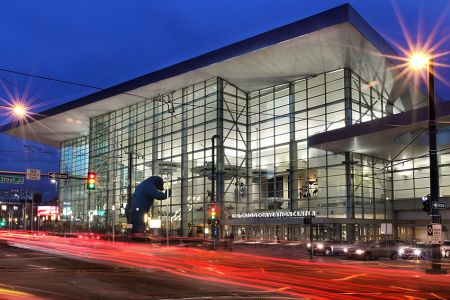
<point>418,61</point>
<point>17,110</point>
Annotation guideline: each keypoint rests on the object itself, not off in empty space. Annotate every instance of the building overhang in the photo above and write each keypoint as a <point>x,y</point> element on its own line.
<point>334,39</point>
<point>400,136</point>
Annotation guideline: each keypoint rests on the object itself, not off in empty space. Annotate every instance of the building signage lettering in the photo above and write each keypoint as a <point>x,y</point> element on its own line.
<point>275,214</point>
<point>44,211</point>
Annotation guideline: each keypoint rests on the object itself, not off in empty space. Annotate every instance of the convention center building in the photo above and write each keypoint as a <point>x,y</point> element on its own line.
<point>311,120</point>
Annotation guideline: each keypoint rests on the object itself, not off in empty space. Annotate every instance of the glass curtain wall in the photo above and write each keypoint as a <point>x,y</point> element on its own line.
<point>233,110</point>
<point>262,156</point>
<point>169,136</point>
<point>412,176</point>
<point>372,187</point>
<point>370,101</point>
<point>281,120</point>
<point>72,191</point>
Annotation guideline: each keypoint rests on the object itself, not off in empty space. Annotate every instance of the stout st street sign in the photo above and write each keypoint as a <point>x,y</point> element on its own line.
<point>11,179</point>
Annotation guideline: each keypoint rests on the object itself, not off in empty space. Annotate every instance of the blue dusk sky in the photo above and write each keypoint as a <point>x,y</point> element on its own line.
<point>105,42</point>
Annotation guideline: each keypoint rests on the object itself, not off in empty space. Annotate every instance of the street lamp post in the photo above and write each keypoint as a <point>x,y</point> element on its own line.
<point>419,61</point>
<point>434,168</point>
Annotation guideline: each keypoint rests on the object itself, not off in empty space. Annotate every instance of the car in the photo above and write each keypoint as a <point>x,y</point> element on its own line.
<point>445,248</point>
<point>376,249</point>
<point>415,251</point>
<point>327,247</point>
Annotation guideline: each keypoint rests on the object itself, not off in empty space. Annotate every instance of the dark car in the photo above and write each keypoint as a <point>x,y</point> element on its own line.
<point>376,249</point>
<point>328,247</point>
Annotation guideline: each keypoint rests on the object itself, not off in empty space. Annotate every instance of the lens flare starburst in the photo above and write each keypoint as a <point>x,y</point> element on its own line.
<point>19,110</point>
<point>415,53</point>
<point>418,61</point>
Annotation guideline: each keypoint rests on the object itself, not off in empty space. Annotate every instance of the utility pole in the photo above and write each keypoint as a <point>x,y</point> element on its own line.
<point>434,169</point>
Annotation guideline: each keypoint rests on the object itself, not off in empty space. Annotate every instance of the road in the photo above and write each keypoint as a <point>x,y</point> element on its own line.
<point>27,274</point>
<point>134,271</point>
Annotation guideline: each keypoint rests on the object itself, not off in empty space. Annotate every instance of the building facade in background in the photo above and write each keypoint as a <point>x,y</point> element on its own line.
<point>312,119</point>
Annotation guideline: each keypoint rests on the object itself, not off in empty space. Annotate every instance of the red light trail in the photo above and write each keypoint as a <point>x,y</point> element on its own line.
<point>297,278</point>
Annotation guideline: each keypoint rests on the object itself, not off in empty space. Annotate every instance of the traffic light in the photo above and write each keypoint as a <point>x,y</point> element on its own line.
<point>2,223</point>
<point>426,202</point>
<point>213,220</point>
<point>91,181</point>
<point>213,211</point>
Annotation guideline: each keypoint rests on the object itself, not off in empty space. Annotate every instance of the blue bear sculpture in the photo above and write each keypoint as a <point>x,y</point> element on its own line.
<point>143,197</point>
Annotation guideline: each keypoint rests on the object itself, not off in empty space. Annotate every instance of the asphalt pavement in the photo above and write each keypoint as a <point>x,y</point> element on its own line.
<point>27,274</point>
<point>78,268</point>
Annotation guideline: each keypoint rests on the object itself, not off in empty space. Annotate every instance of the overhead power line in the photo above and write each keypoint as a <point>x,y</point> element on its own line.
<point>67,82</point>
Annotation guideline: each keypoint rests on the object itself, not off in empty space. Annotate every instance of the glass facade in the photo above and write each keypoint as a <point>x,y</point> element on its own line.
<point>412,176</point>
<point>72,192</point>
<point>263,161</point>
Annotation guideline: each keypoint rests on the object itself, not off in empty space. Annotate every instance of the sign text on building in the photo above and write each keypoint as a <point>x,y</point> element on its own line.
<point>275,214</point>
<point>44,211</point>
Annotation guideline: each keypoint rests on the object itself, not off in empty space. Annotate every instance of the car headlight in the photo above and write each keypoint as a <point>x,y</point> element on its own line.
<point>345,250</point>
<point>359,251</point>
<point>308,245</point>
<point>320,246</point>
<point>401,251</point>
<point>417,252</point>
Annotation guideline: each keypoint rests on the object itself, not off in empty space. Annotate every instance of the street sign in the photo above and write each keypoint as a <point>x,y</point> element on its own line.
<point>434,234</point>
<point>439,205</point>
<point>11,179</point>
<point>33,174</point>
<point>54,175</point>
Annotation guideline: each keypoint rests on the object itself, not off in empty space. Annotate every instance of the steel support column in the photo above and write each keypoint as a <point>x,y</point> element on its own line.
<point>348,96</point>
<point>293,159</point>
<point>350,196</point>
<point>184,166</point>
<point>220,183</point>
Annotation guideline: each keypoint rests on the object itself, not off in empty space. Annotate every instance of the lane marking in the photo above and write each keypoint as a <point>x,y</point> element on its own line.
<point>349,277</point>
<point>4,291</point>
<point>437,296</point>
<point>402,288</point>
